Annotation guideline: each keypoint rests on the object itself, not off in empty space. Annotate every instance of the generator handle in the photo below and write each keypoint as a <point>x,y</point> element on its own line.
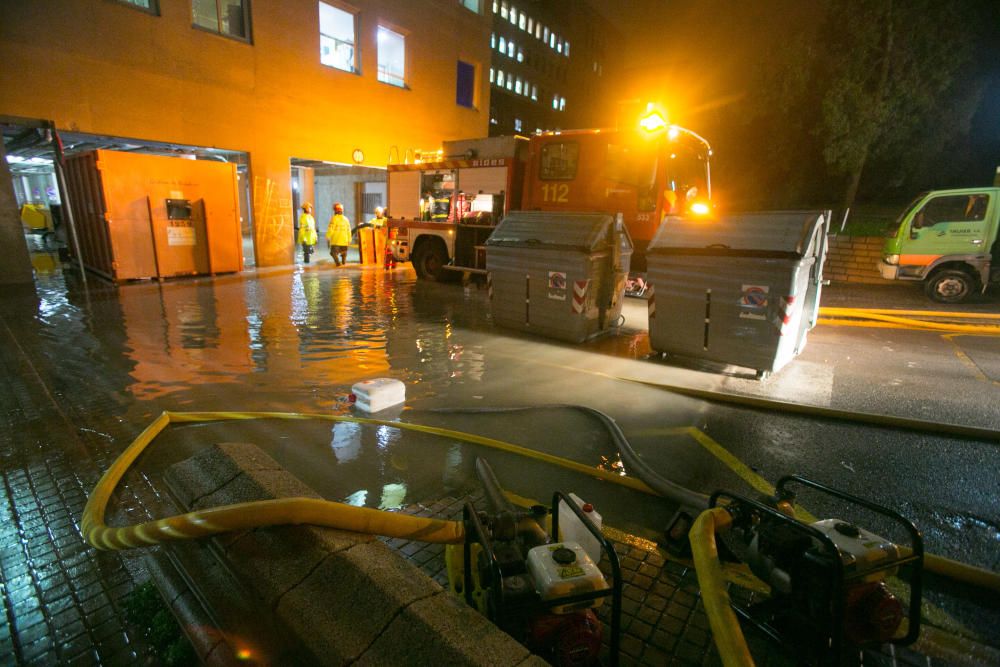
<point>616,572</point>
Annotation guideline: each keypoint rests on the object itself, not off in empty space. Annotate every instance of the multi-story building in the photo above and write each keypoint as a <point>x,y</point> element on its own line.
<point>273,84</point>
<point>551,68</point>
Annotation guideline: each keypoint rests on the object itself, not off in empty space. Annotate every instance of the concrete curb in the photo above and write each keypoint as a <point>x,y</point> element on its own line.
<point>343,597</point>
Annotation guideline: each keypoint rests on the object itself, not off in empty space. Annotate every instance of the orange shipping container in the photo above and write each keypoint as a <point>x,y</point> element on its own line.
<point>147,216</point>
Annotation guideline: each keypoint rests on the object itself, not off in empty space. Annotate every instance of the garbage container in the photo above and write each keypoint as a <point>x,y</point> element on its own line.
<point>741,289</point>
<point>560,275</point>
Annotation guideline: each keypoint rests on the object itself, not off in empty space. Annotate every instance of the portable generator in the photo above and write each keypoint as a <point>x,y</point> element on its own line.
<point>541,591</point>
<point>833,584</point>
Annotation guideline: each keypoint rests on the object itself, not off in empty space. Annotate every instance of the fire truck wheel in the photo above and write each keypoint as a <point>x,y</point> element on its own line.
<point>429,260</point>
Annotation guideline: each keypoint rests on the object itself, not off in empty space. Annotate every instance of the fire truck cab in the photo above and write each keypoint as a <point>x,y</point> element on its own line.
<point>443,210</point>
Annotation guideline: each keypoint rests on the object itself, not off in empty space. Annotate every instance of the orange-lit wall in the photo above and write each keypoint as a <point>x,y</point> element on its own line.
<point>103,67</point>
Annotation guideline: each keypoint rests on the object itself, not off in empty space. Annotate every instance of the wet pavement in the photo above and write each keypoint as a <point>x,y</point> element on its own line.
<point>87,369</point>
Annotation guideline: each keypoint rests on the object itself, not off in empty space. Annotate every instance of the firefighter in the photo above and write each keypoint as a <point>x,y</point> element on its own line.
<point>307,231</point>
<point>378,222</point>
<point>338,235</point>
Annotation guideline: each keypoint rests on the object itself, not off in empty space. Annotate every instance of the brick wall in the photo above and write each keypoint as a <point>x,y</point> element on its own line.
<point>853,259</point>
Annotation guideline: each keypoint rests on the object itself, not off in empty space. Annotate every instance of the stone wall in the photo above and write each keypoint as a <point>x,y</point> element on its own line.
<point>854,259</point>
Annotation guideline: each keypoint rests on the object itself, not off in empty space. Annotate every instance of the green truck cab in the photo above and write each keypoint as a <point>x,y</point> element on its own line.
<point>947,239</point>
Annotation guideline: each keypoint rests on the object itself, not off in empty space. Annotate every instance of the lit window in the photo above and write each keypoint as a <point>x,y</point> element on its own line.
<point>552,41</point>
<point>493,40</point>
<point>465,87</point>
<point>545,34</point>
<point>522,21</point>
<point>503,46</point>
<point>555,102</point>
<point>391,57</point>
<point>503,9</point>
<point>150,6</point>
<point>336,38</point>
<point>510,82</point>
<point>471,5</point>
<point>500,78</point>
<point>510,49</point>
<point>496,6</point>
<point>562,104</point>
<point>534,92</point>
<point>517,86</point>
<point>493,75</point>
<point>531,25</point>
<point>538,31</point>
<point>513,16</point>
<point>520,55</point>
<point>566,48</point>
<point>559,46</point>
<point>226,17</point>
<point>518,125</point>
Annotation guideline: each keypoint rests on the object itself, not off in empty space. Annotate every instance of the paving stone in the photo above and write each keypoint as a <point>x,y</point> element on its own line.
<point>442,630</point>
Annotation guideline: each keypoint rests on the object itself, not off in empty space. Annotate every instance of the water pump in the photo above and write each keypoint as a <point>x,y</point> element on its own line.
<point>832,582</point>
<point>540,591</point>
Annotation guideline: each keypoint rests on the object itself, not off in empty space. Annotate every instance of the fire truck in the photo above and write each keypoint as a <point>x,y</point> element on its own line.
<point>444,205</point>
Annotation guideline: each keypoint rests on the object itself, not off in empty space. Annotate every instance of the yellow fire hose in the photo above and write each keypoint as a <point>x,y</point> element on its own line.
<point>896,318</point>
<point>288,511</point>
<point>726,631</point>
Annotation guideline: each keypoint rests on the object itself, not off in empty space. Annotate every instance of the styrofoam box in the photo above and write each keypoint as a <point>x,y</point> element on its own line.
<point>378,394</point>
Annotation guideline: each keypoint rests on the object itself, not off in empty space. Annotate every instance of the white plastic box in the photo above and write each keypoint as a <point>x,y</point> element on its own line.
<point>556,575</point>
<point>378,394</point>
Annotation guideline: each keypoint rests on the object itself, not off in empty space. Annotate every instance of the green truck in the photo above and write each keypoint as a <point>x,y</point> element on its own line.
<point>947,239</point>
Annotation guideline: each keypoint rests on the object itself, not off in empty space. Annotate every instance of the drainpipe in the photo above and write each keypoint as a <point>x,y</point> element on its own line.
<point>64,195</point>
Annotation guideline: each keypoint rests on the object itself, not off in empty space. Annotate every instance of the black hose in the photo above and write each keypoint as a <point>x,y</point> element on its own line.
<point>635,465</point>
<point>491,487</point>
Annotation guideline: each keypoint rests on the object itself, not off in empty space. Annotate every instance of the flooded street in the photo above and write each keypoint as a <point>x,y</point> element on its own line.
<point>88,369</point>
<point>296,340</point>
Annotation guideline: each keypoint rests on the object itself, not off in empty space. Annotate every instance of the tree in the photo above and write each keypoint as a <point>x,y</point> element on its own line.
<point>888,65</point>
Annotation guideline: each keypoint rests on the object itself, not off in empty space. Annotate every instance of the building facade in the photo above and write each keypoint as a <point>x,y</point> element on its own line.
<point>281,81</point>
<point>553,66</point>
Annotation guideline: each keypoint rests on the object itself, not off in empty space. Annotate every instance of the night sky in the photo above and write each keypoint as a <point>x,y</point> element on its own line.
<point>702,59</point>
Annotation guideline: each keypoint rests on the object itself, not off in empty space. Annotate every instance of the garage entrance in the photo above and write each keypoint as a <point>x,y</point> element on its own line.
<point>360,189</point>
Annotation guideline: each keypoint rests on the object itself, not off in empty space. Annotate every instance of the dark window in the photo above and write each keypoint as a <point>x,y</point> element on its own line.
<point>149,6</point>
<point>559,161</point>
<point>465,89</point>
<point>226,17</point>
<point>952,208</point>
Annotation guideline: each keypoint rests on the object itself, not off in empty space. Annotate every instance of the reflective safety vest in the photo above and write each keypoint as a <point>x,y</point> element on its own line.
<point>338,232</point>
<point>307,229</point>
<point>377,222</point>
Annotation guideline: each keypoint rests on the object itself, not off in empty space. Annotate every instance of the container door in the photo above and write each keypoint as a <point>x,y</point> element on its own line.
<point>953,224</point>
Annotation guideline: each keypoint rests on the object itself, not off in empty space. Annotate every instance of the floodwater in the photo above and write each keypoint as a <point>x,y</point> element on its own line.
<point>296,340</point>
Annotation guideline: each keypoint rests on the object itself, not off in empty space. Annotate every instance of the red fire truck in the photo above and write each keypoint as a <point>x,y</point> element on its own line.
<point>444,205</point>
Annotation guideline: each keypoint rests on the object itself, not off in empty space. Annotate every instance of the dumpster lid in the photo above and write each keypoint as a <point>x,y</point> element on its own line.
<point>580,231</point>
<point>790,234</point>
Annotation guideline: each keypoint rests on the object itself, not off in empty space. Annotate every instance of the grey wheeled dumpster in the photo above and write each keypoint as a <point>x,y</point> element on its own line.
<point>560,275</point>
<point>741,289</point>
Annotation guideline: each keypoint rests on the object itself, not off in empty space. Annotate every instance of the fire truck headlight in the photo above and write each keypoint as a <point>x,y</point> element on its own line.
<point>700,208</point>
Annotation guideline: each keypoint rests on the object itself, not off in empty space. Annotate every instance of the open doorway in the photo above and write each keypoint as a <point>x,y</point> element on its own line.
<point>323,184</point>
<point>31,155</point>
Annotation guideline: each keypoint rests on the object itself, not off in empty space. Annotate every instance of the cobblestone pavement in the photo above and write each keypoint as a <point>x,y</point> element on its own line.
<point>62,601</point>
